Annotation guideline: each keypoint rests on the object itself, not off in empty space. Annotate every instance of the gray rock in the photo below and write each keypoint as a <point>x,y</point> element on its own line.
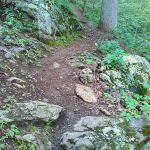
<point>33,110</point>
<point>137,125</point>
<point>86,76</point>
<point>81,140</point>
<point>138,68</point>
<point>86,93</point>
<point>37,9</point>
<point>91,122</point>
<point>44,18</point>
<point>114,74</point>
<point>48,19</point>
<point>105,77</point>
<point>99,133</point>
<point>38,141</point>
<point>13,51</point>
<point>135,59</point>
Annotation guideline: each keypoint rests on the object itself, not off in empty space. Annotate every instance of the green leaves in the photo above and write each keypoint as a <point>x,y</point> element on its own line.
<point>107,46</point>
<point>126,115</point>
<point>133,26</point>
<point>114,54</point>
<point>115,60</point>
<point>12,133</point>
<point>10,101</point>
<point>135,106</point>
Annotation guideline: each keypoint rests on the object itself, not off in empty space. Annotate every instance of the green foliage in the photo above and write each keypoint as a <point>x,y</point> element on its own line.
<point>64,3</point>
<point>11,133</point>
<point>63,16</point>
<point>62,40</point>
<point>114,54</point>
<point>17,20</point>
<point>47,130</point>
<point>10,101</point>
<point>107,46</point>
<point>133,23</point>
<point>88,58</point>
<point>134,26</point>
<point>13,27</point>
<point>136,105</point>
<point>32,128</point>
<point>115,60</point>
<point>91,9</point>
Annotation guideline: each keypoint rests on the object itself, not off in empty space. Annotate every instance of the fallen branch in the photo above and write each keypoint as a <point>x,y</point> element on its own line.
<point>18,86</point>
<point>106,112</point>
<point>11,79</point>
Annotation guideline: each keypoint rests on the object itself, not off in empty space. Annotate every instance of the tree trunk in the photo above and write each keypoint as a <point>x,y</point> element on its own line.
<point>109,15</point>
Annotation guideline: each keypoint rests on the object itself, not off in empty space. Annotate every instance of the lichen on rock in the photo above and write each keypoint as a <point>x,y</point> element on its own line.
<point>136,73</point>
<point>32,111</point>
<point>99,133</point>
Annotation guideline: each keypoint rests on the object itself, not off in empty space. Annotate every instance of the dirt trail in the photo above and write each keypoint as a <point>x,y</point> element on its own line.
<point>58,84</point>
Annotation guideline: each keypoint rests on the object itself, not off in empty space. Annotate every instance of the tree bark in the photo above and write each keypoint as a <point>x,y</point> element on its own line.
<point>108,15</point>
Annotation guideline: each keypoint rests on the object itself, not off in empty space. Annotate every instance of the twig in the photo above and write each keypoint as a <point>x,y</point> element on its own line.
<point>106,112</point>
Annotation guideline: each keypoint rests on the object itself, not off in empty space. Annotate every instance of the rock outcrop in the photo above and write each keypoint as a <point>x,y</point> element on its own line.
<point>99,133</point>
<point>31,111</point>
<point>137,72</point>
<point>39,141</point>
<point>49,16</point>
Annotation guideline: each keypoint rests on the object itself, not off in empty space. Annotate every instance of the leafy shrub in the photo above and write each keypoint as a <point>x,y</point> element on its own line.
<point>11,133</point>
<point>115,60</point>
<point>136,105</point>
<point>107,46</point>
<point>62,40</point>
<point>114,54</point>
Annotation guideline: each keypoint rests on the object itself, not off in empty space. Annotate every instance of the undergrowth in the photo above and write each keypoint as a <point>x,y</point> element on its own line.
<point>134,26</point>
<point>114,54</point>
<point>91,9</point>
<point>19,30</point>
<point>12,29</point>
<point>134,31</point>
<point>133,23</point>
<point>135,97</point>
<point>10,134</point>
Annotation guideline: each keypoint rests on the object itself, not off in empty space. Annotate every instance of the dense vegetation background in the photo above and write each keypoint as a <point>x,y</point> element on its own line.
<point>133,22</point>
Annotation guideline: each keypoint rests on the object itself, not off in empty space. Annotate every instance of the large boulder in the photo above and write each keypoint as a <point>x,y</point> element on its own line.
<point>137,60</point>
<point>138,68</point>
<point>137,71</point>
<point>51,18</point>
<point>100,133</point>
<point>31,111</point>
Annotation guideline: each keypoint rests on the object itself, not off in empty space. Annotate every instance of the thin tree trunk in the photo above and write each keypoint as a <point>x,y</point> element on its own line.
<point>84,5</point>
<point>108,15</point>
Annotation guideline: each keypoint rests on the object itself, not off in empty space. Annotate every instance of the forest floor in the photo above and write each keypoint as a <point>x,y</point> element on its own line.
<point>58,84</point>
<point>55,82</point>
